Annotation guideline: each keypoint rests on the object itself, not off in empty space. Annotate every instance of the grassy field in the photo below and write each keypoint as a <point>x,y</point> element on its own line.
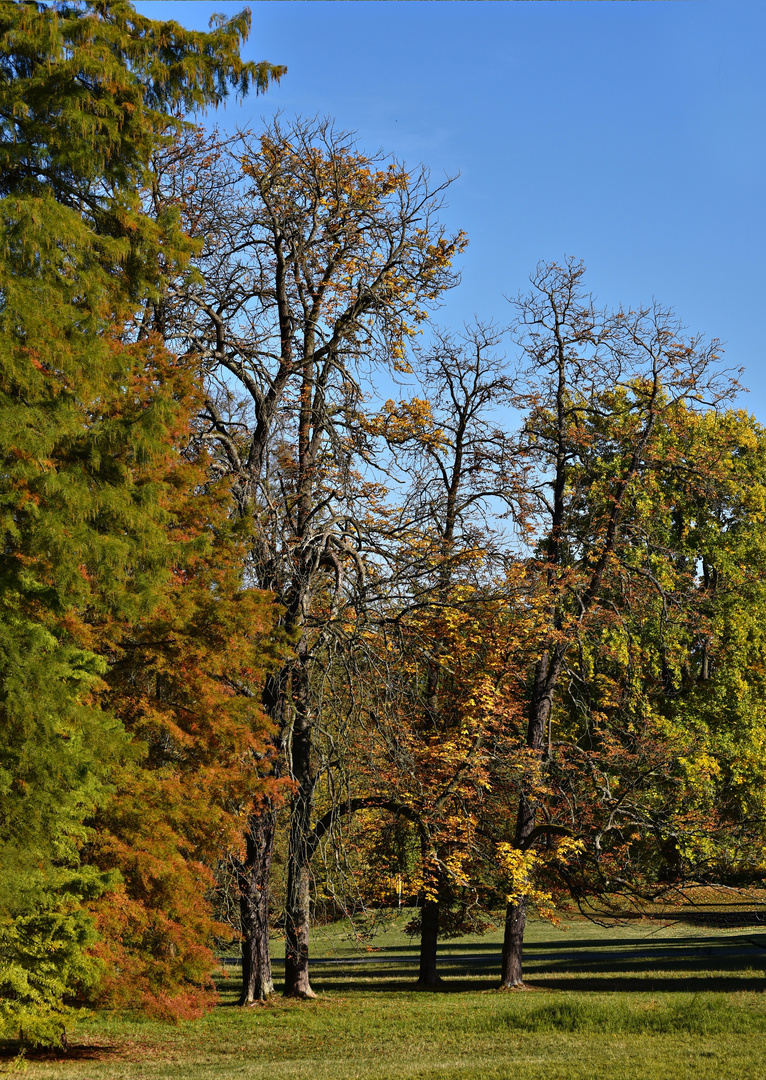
<point>640,1001</point>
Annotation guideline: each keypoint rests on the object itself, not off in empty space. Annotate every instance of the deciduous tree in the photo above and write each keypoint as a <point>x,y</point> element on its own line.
<point>462,477</point>
<point>603,393</point>
<point>319,263</point>
<point>436,684</point>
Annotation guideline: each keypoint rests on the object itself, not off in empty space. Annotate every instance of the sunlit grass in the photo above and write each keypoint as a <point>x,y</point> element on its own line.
<point>638,1002</point>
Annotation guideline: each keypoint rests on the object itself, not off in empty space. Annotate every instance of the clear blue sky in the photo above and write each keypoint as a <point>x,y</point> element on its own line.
<point>631,135</point>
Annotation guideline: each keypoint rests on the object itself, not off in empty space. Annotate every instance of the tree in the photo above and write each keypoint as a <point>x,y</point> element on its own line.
<point>319,261</point>
<point>85,539</point>
<point>183,687</point>
<point>729,690</point>
<point>445,690</point>
<point>657,723</point>
<point>429,749</point>
<point>709,664</point>
<point>55,751</point>
<point>603,390</point>
<point>87,92</point>
<point>184,682</point>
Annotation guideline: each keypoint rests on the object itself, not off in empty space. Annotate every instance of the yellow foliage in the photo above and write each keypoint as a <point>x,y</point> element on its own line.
<point>522,867</point>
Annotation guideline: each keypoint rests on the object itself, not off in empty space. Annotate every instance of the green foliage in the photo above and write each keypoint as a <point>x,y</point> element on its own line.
<point>91,431</point>
<point>55,744</point>
<point>87,93</point>
<point>53,756</point>
<point>720,689</point>
<point>88,90</point>
<point>658,737</point>
<point>44,958</point>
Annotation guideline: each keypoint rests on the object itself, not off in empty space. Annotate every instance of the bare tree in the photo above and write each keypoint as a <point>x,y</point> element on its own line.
<point>318,262</point>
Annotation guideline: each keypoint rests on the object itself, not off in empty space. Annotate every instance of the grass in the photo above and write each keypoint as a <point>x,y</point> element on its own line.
<point>636,1002</point>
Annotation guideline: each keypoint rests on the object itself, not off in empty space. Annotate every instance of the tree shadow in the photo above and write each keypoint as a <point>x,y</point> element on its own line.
<point>11,1050</point>
<point>688,984</point>
<point>588,965</point>
<point>574,983</point>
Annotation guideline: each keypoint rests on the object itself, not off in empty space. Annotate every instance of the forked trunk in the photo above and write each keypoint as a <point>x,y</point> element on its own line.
<point>253,880</point>
<point>429,934</point>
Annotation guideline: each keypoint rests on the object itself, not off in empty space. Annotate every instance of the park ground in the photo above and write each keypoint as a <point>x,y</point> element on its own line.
<point>642,999</point>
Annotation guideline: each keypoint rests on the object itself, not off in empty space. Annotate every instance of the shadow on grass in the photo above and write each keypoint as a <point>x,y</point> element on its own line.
<point>590,965</point>
<point>448,985</point>
<point>687,984</point>
<point>574,984</point>
<point>12,1051</point>
<point>695,916</point>
<point>564,944</point>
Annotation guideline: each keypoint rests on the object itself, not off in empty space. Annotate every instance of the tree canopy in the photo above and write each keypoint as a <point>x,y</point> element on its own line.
<point>496,638</point>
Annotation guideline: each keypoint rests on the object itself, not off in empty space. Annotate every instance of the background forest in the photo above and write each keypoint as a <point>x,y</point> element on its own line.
<point>309,604</point>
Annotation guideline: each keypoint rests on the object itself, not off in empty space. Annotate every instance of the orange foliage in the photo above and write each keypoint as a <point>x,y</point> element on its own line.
<point>184,680</point>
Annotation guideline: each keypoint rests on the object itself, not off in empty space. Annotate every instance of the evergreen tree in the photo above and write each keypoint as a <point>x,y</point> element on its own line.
<point>87,92</point>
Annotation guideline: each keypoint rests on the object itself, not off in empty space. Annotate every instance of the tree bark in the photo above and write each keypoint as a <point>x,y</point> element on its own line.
<point>297,908</point>
<point>513,942</point>
<point>253,879</point>
<point>297,931</point>
<point>429,933</point>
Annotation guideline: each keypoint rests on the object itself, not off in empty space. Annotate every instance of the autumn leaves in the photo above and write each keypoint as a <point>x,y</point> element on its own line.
<point>293,579</point>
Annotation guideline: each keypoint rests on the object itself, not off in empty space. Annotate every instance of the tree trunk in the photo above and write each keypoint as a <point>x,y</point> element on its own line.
<point>253,880</point>
<point>547,675</point>
<point>297,907</point>
<point>297,931</point>
<point>429,933</point>
<point>513,942</point>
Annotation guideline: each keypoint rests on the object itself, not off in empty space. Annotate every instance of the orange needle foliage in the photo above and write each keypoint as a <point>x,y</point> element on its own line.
<point>184,681</point>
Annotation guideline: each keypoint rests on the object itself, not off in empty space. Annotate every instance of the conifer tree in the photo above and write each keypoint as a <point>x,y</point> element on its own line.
<point>185,683</point>
<point>87,92</point>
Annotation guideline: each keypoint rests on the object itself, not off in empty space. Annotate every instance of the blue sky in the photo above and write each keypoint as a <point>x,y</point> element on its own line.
<point>631,135</point>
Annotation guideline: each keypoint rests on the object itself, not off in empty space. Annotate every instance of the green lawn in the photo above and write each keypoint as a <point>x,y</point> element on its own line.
<point>636,1002</point>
